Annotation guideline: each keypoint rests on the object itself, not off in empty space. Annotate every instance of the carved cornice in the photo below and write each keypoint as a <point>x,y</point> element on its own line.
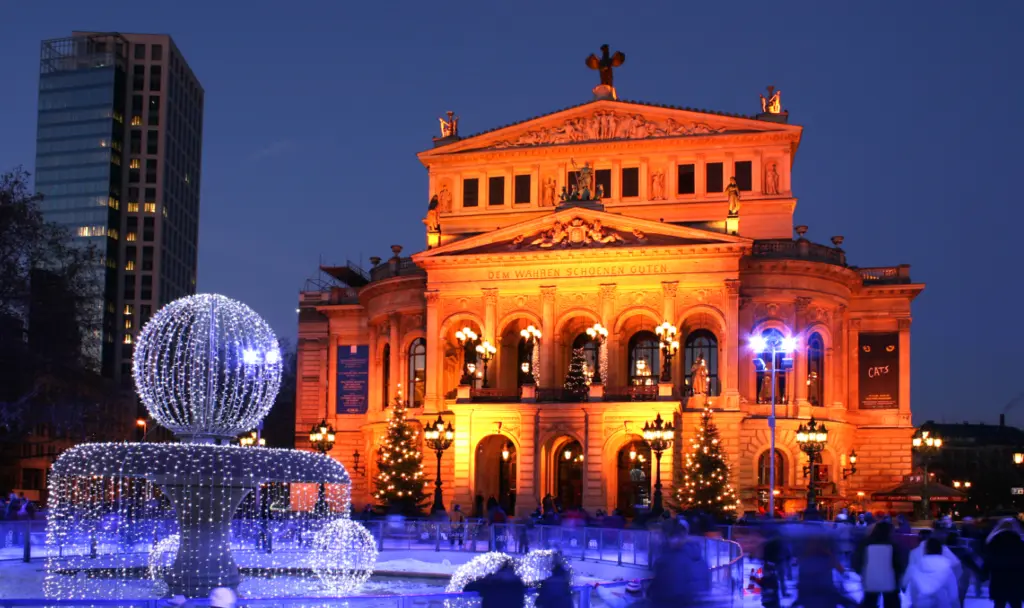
<point>490,295</point>
<point>547,293</point>
<point>607,291</point>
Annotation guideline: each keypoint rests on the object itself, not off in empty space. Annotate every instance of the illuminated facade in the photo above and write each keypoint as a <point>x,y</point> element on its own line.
<point>670,240</point>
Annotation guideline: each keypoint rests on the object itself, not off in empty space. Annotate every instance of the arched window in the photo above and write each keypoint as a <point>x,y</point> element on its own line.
<point>644,358</point>
<point>524,362</point>
<point>417,372</point>
<point>385,376</point>
<point>702,343</point>
<point>589,352</point>
<point>816,369</point>
<point>764,378</point>
<point>764,473</point>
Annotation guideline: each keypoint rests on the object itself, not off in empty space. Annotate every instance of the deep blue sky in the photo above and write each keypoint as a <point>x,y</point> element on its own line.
<point>315,110</point>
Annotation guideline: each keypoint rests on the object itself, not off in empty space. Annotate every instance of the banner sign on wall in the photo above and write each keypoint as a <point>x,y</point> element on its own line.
<point>353,379</point>
<point>879,356</point>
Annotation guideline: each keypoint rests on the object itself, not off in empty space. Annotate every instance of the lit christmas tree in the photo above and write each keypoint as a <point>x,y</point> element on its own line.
<point>399,478</point>
<point>576,380</point>
<point>705,484</point>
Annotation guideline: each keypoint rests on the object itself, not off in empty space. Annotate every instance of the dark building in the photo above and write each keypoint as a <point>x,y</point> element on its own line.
<point>981,455</point>
<point>118,160</point>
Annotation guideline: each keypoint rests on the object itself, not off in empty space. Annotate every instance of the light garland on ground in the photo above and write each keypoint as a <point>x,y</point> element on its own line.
<point>344,556</point>
<point>474,570</point>
<point>534,567</point>
<point>162,556</point>
<point>207,366</point>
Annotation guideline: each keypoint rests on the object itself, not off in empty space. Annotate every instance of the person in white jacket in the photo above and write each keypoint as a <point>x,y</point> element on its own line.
<point>931,580</point>
<point>919,551</point>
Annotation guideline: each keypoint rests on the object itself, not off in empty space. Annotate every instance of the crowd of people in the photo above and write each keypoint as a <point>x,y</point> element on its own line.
<point>15,508</point>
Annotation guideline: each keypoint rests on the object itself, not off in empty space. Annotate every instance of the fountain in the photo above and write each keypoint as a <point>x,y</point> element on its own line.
<point>207,368</point>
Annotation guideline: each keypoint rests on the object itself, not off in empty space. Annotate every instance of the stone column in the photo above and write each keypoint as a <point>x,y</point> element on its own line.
<point>671,180</point>
<point>836,375</point>
<point>853,364</point>
<point>904,346</point>
<point>371,393</point>
<point>332,376</point>
<point>527,495</point>
<point>729,373</point>
<point>395,342</point>
<point>593,473</point>
<point>548,338</point>
<point>645,180</point>
<point>607,307</point>
<point>616,194</point>
<point>435,364</point>
<point>489,329</point>
<point>669,290</point>
<point>700,177</point>
<point>799,377</point>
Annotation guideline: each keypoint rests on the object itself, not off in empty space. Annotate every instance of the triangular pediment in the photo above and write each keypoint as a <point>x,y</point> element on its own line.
<point>580,228</point>
<point>608,120</point>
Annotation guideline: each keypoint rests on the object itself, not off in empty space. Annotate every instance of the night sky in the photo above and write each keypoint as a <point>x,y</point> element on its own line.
<point>911,150</point>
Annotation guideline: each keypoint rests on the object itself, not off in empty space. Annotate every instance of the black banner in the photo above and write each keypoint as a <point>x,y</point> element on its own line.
<point>353,379</point>
<point>879,371</point>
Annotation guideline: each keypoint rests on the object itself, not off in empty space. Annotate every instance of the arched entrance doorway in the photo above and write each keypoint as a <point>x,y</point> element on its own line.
<point>496,471</point>
<point>634,478</point>
<point>569,467</point>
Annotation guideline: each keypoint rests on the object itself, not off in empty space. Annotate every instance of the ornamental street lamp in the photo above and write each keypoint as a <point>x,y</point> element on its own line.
<point>467,340</point>
<point>532,335</point>
<point>926,446</point>
<point>761,346</point>
<point>321,437</point>
<point>486,351</point>
<point>853,465</point>
<point>439,438</point>
<point>669,347</point>
<point>658,436</point>
<point>597,334</point>
<point>812,439</point>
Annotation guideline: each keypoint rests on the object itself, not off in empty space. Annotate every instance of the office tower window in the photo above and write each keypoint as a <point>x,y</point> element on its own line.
<point>133,170</point>
<point>150,208</point>
<point>148,229</point>
<point>522,189</point>
<point>130,237</point>
<point>147,258</point>
<point>631,182</point>
<point>150,170</point>
<point>155,74</point>
<point>128,309</point>
<point>133,207</point>
<point>158,52</point>
<point>152,141</point>
<point>496,191</point>
<point>146,293</point>
<point>154,111</point>
<point>713,174</point>
<point>140,51</point>
<point>129,287</point>
<point>150,195</point>
<point>129,265</point>
<point>139,78</point>
<point>135,142</point>
<point>686,182</point>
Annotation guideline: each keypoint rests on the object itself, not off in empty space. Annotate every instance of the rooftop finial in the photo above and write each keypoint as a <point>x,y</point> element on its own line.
<point>604,65</point>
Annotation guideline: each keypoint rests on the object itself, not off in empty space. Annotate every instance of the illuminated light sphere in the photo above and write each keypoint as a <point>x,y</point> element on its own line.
<point>207,367</point>
<point>474,570</point>
<point>344,556</point>
<point>161,556</point>
<point>534,567</point>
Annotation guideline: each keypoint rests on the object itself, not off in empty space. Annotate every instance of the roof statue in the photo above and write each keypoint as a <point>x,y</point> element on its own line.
<point>771,106</point>
<point>604,66</point>
<point>450,127</point>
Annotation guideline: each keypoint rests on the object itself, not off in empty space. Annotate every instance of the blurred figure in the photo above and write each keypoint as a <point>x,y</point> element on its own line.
<point>918,552</point>
<point>681,577</point>
<point>931,580</point>
<point>881,567</point>
<point>970,568</point>
<point>815,586</point>
<point>621,597</point>
<point>502,589</point>
<point>1004,564</point>
<point>223,597</point>
<point>769,582</point>
<point>776,553</point>
<point>457,519</point>
<point>556,590</point>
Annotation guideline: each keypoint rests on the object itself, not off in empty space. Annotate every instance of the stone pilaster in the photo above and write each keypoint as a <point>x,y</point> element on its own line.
<point>800,358</point>
<point>904,346</point>
<point>548,339</point>
<point>489,329</point>
<point>398,388</point>
<point>435,359</point>
<point>853,367</point>
<point>607,296</point>
<point>729,373</point>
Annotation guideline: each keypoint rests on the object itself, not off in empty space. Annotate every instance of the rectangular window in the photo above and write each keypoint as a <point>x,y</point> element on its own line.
<point>136,121</point>
<point>685,179</point>
<point>155,74</point>
<point>603,178</point>
<point>496,191</point>
<point>522,187</point>
<point>140,51</point>
<point>137,104</point>
<point>631,182</point>
<point>154,111</point>
<point>128,310</point>
<point>571,179</point>
<point>150,170</point>
<point>713,175</point>
<point>130,237</point>
<point>744,175</point>
<point>146,293</point>
<point>158,52</point>
<point>129,265</point>
<point>150,208</point>
<point>152,141</point>
<point>133,207</point>
<point>147,258</point>
<point>147,229</point>
<point>133,195</point>
<point>150,195</point>
<point>470,192</point>
<point>135,145</point>
<point>139,78</point>
<point>129,287</point>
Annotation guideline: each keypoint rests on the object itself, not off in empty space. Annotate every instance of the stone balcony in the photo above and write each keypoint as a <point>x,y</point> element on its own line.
<point>600,393</point>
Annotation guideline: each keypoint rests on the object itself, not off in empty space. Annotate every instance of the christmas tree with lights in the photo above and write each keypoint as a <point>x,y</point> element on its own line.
<point>705,480</point>
<point>399,478</point>
<point>576,379</point>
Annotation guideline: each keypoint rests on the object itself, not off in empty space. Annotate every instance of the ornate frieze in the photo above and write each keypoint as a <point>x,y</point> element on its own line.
<point>576,232</point>
<point>607,125</point>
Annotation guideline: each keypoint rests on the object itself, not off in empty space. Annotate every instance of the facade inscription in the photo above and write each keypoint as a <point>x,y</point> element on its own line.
<point>584,271</point>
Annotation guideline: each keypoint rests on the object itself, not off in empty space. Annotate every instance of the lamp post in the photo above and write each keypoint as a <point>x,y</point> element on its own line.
<point>658,436</point>
<point>532,335</point>
<point>669,347</point>
<point>439,438</point>
<point>144,425</point>
<point>467,339</point>
<point>486,351</point>
<point>598,334</point>
<point>321,437</point>
<point>774,345</point>
<point>853,465</point>
<point>927,446</point>
<point>812,439</point>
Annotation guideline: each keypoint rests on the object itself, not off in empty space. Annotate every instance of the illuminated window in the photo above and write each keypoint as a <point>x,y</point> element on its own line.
<point>136,120</point>
<point>130,237</point>
<point>127,338</point>
<point>127,323</point>
<point>128,310</point>
<point>129,265</point>
<point>112,233</point>
<point>150,208</point>
<point>701,343</point>
<point>816,369</point>
<point>118,117</point>
<point>92,231</point>
<point>133,207</point>
<point>113,203</point>
<point>135,164</point>
<point>417,372</point>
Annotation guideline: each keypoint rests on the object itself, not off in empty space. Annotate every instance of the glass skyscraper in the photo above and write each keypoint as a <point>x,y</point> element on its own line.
<point>118,157</point>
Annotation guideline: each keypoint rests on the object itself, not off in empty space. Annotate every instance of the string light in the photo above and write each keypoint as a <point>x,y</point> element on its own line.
<point>207,366</point>
<point>534,567</point>
<point>474,570</point>
<point>344,556</point>
<point>705,473</point>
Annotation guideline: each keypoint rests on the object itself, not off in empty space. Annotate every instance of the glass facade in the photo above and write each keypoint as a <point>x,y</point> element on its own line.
<point>78,158</point>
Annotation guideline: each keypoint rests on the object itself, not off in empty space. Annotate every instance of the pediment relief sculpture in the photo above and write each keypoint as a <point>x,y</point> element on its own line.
<point>577,232</point>
<point>607,125</point>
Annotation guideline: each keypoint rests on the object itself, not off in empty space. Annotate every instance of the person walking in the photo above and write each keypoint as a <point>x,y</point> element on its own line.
<point>681,575</point>
<point>1004,564</point>
<point>556,590</point>
<point>457,526</point>
<point>881,566</point>
<point>502,589</point>
<point>931,580</point>
<point>776,553</point>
